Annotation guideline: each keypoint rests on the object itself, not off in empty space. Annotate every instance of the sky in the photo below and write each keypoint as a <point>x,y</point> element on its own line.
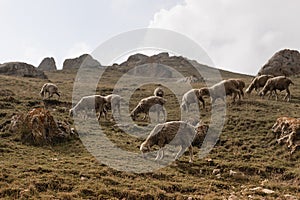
<point>238,35</point>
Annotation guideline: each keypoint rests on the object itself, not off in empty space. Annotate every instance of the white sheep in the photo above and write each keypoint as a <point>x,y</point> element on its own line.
<point>190,97</point>
<point>49,88</point>
<point>88,104</point>
<point>221,90</point>
<point>152,103</point>
<point>277,83</point>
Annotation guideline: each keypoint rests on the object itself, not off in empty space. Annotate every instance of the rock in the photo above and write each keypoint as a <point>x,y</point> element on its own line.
<point>233,197</point>
<point>160,66</point>
<point>191,79</point>
<point>285,62</point>
<point>21,69</point>
<point>47,64</point>
<point>216,171</point>
<point>267,191</point>
<point>290,197</point>
<point>85,60</point>
<point>264,190</point>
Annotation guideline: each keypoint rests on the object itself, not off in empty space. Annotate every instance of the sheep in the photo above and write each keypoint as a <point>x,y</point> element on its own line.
<point>258,82</point>
<point>49,88</point>
<point>177,133</point>
<point>159,92</point>
<point>240,84</point>
<point>190,97</point>
<point>113,103</point>
<point>145,104</point>
<point>89,103</point>
<point>277,83</point>
<point>221,89</point>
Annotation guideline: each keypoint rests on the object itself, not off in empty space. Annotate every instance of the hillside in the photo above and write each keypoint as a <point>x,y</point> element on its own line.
<point>245,158</point>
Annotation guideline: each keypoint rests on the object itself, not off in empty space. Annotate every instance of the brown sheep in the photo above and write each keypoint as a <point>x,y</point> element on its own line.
<point>258,82</point>
<point>240,84</point>
<point>177,133</point>
<point>146,104</point>
<point>277,83</point>
<point>221,90</point>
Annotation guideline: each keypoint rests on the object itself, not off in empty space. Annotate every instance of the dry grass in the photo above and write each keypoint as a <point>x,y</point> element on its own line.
<point>68,170</point>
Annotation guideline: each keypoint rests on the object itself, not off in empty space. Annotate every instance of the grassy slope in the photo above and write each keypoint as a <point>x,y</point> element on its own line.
<point>68,171</point>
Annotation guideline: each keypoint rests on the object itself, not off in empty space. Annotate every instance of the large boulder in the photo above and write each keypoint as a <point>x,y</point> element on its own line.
<point>47,64</point>
<point>21,69</point>
<point>85,60</point>
<point>285,62</point>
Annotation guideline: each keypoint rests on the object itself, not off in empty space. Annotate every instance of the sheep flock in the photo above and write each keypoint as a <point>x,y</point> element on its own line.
<point>183,133</point>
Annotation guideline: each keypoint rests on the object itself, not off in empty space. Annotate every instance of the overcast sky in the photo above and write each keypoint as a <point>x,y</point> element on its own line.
<point>238,35</point>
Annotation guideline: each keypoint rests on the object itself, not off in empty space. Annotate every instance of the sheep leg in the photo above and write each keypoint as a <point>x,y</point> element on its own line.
<point>288,95</point>
<point>234,96</point>
<point>158,156</point>
<point>187,107</point>
<point>191,153</point>
<point>57,95</point>
<point>181,150</point>
<point>203,102</point>
<point>50,95</point>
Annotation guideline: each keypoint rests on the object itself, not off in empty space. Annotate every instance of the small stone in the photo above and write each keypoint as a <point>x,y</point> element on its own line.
<point>290,197</point>
<point>267,191</point>
<point>216,171</point>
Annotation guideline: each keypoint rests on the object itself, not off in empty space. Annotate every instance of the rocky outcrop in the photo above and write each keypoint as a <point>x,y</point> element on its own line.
<point>47,64</point>
<point>85,60</point>
<point>21,69</point>
<point>152,66</point>
<point>285,62</point>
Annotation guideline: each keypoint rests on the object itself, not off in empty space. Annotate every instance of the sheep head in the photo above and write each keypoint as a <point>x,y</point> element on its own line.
<point>204,91</point>
<point>144,148</point>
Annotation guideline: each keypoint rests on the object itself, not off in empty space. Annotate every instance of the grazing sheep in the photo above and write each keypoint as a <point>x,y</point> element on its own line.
<point>177,133</point>
<point>89,103</point>
<point>190,97</point>
<point>240,84</point>
<point>258,82</point>
<point>145,104</point>
<point>277,83</point>
<point>221,90</point>
<point>113,103</point>
<point>159,92</point>
<point>49,88</point>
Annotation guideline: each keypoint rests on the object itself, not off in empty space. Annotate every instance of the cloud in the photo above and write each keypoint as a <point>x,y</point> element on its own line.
<point>238,35</point>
